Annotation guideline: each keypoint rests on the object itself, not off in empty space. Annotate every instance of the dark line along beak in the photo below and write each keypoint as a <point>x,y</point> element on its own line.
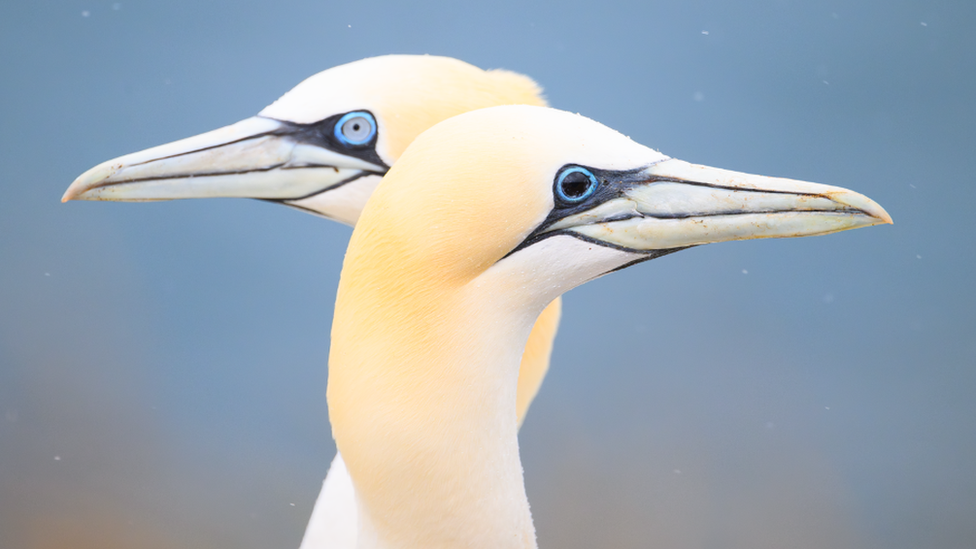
<point>674,204</point>
<point>255,158</point>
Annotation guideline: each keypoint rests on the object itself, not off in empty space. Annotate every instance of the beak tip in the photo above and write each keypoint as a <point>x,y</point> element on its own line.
<point>75,191</point>
<point>880,214</point>
<point>887,218</point>
<point>866,205</point>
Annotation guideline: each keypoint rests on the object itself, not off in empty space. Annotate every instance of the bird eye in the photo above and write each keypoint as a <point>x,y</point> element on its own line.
<point>575,184</point>
<point>355,128</point>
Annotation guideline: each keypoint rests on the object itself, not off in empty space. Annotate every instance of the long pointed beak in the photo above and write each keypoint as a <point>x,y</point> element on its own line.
<point>255,158</point>
<point>674,204</point>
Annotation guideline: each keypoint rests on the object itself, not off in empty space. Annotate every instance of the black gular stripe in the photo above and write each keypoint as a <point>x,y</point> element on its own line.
<point>345,181</point>
<point>647,256</point>
<point>296,206</point>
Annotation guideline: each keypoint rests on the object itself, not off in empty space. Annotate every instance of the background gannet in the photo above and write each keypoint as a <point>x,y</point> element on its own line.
<point>322,148</point>
<point>442,282</point>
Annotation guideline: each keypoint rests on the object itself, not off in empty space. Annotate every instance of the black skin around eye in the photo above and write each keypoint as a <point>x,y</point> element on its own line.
<point>323,134</point>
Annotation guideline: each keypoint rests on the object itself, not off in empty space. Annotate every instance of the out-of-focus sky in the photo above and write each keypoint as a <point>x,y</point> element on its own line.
<point>163,366</point>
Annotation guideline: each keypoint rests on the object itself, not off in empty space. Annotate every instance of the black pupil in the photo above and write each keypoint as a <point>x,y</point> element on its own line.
<point>575,184</point>
<point>355,127</point>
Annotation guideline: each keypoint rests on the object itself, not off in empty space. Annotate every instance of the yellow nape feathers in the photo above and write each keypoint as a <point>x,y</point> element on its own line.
<point>398,89</point>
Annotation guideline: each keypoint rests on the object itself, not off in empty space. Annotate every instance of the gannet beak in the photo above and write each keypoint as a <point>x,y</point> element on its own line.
<point>255,158</point>
<point>673,204</point>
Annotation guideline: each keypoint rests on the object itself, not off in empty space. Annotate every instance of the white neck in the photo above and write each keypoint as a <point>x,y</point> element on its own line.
<point>422,390</point>
<point>459,482</point>
<point>431,443</point>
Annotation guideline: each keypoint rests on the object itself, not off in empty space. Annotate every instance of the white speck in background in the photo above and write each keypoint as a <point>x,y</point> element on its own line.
<point>116,6</point>
<point>828,298</point>
<point>918,256</point>
<point>698,96</point>
<point>677,471</point>
<point>924,24</point>
<point>57,458</point>
<point>705,33</point>
<point>47,274</point>
<point>745,272</point>
<point>85,13</point>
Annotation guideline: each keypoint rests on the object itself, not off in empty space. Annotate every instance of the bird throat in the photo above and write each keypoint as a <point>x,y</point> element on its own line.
<point>422,394</point>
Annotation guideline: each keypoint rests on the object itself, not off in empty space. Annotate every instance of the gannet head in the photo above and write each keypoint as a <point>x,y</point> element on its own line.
<point>556,199</point>
<point>322,147</point>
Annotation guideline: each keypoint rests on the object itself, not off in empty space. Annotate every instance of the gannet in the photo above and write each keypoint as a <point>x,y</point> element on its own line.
<point>322,148</point>
<point>442,281</point>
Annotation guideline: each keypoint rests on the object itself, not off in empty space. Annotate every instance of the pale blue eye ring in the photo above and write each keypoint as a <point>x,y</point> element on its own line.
<point>575,184</point>
<point>355,128</point>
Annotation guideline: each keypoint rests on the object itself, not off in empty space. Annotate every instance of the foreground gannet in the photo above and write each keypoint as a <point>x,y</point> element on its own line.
<point>322,148</point>
<point>442,282</point>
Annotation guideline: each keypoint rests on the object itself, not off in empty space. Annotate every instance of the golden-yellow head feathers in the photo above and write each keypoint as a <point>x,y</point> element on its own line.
<point>487,179</point>
<point>406,93</point>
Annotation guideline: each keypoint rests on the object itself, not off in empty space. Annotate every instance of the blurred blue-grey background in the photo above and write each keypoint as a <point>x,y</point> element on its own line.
<point>163,366</point>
